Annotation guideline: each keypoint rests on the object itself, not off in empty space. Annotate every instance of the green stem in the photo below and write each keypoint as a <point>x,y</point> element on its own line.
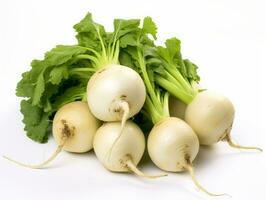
<point>114,45</point>
<point>83,69</point>
<point>173,80</point>
<point>89,57</point>
<point>150,89</point>
<point>166,104</point>
<point>152,110</point>
<point>101,41</point>
<point>92,50</point>
<point>175,91</point>
<point>115,57</point>
<point>178,76</point>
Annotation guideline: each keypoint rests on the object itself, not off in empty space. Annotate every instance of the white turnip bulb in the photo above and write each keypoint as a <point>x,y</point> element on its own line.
<point>115,91</point>
<point>173,145</point>
<point>124,154</point>
<point>74,128</point>
<point>211,116</point>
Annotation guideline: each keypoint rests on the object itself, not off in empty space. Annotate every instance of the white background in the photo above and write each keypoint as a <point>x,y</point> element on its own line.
<point>226,38</point>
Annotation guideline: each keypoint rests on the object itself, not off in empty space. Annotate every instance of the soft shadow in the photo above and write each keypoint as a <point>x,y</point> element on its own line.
<point>206,155</point>
<point>210,154</point>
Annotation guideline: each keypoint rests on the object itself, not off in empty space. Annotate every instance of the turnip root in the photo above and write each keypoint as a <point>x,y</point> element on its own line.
<point>173,145</point>
<point>211,116</point>
<point>126,153</point>
<point>74,128</point>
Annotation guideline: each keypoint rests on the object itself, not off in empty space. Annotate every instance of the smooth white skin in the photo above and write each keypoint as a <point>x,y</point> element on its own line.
<point>211,116</point>
<point>112,85</point>
<point>177,108</point>
<point>82,124</point>
<point>172,144</point>
<point>131,143</point>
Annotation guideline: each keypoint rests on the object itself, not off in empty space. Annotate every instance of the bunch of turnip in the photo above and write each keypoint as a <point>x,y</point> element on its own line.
<point>173,143</point>
<point>103,92</point>
<point>114,93</point>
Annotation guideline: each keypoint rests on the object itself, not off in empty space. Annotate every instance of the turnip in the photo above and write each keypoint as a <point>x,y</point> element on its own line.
<point>74,128</point>
<point>114,92</point>
<point>173,145</point>
<point>127,151</point>
<point>211,115</point>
